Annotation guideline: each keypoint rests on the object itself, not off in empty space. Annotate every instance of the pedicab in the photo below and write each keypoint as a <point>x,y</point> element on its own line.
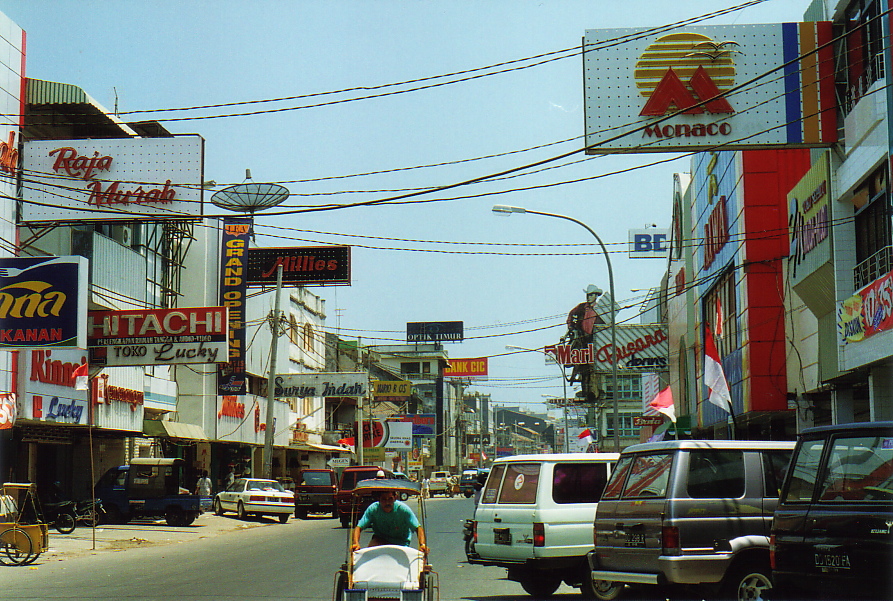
<point>386,571</point>
<point>22,537</point>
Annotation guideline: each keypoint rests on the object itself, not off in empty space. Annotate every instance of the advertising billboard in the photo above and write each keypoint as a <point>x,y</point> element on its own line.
<point>158,336</point>
<point>43,302</point>
<point>114,179</point>
<point>739,86</point>
<point>466,368</point>
<point>323,384</point>
<point>640,349</point>
<point>232,378</point>
<point>303,266</point>
<point>435,331</point>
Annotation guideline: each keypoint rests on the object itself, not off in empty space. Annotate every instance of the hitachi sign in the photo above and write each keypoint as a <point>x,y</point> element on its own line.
<point>565,355</point>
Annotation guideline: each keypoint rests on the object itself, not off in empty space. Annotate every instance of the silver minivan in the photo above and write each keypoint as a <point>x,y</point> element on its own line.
<point>689,514</point>
<point>535,518</point>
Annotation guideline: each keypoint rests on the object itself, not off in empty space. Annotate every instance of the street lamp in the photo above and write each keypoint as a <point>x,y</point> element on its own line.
<point>509,210</point>
<point>563,386</point>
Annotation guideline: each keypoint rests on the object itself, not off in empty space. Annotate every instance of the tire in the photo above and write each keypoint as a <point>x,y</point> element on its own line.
<point>90,519</point>
<point>603,590</point>
<point>467,495</point>
<point>540,586</point>
<point>65,523</point>
<point>218,507</point>
<point>335,512</point>
<point>240,511</point>
<point>16,547</point>
<point>404,496</point>
<point>283,518</point>
<point>176,516</point>
<point>191,517</point>
<point>301,513</point>
<point>469,547</point>
<point>747,582</point>
<point>345,521</point>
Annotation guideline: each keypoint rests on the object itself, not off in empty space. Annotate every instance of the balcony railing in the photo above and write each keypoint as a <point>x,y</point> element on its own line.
<point>872,268</point>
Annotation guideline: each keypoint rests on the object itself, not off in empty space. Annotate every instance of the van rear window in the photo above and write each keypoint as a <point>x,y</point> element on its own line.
<point>648,476</point>
<point>578,482</point>
<point>520,483</point>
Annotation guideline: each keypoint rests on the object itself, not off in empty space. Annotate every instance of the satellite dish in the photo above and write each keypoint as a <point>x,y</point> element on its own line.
<point>250,197</point>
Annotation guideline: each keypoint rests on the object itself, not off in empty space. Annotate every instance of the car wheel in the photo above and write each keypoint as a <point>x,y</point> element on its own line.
<point>603,590</point>
<point>240,510</point>
<point>540,586</point>
<point>334,512</point>
<point>176,516</point>
<point>345,521</point>
<point>301,513</point>
<point>218,507</point>
<point>748,583</point>
<point>283,518</point>
<point>467,495</point>
<point>404,496</point>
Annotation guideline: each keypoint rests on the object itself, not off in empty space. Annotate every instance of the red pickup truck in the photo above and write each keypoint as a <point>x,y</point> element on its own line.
<point>350,511</point>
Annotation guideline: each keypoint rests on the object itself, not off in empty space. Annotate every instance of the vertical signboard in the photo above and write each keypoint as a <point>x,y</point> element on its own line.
<point>232,378</point>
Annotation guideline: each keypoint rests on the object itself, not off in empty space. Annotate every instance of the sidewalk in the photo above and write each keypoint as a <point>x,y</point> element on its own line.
<point>142,533</point>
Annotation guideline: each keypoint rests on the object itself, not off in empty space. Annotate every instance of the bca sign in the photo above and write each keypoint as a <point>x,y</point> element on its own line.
<point>690,89</point>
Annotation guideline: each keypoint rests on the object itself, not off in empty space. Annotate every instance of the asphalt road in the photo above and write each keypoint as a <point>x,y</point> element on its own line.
<point>294,561</point>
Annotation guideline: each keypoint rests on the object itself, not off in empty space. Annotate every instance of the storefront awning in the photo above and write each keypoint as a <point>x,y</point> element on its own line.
<point>155,427</point>
<point>325,448</point>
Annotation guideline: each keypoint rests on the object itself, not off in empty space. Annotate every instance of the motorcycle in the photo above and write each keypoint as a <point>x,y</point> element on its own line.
<point>60,515</point>
<point>89,512</point>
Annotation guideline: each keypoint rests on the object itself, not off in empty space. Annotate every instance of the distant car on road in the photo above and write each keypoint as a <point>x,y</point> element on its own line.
<point>439,482</point>
<point>248,496</point>
<point>315,493</point>
<point>349,508</point>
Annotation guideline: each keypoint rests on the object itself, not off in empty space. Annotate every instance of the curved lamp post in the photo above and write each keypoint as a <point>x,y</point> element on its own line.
<point>563,386</point>
<point>509,210</point>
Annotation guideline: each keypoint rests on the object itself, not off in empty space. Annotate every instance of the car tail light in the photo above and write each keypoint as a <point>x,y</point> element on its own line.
<point>669,536</point>
<point>474,531</point>
<point>539,534</point>
<point>256,499</point>
<point>772,551</point>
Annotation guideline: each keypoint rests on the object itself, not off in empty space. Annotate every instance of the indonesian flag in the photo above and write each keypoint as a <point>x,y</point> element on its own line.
<point>79,377</point>
<point>663,403</point>
<point>714,377</point>
<point>585,435</point>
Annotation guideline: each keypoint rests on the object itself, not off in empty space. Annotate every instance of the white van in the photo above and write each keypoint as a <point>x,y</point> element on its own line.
<point>535,518</point>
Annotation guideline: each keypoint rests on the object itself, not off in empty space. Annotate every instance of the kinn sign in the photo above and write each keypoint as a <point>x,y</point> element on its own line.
<point>739,86</point>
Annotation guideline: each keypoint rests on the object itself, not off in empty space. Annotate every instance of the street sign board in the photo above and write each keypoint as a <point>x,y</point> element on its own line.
<point>337,462</point>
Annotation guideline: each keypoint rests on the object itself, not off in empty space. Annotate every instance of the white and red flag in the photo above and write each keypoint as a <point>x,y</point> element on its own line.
<point>80,376</point>
<point>663,403</point>
<point>714,377</point>
<point>585,435</point>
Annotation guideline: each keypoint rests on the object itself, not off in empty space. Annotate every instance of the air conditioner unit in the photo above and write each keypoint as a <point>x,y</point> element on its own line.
<point>123,234</point>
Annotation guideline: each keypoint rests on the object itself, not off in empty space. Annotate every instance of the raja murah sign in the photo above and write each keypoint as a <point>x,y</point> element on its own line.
<point>739,86</point>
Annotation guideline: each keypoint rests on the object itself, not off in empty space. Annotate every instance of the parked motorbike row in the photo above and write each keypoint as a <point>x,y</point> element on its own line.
<point>65,515</point>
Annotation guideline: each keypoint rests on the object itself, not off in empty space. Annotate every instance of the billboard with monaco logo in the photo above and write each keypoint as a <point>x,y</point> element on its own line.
<point>699,87</point>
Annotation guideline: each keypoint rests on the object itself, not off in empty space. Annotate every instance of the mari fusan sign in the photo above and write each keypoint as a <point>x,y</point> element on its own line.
<point>740,86</point>
<point>117,179</point>
<point>158,336</point>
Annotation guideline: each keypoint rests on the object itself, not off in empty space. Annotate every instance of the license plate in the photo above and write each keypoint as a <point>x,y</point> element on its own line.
<point>502,536</point>
<point>635,539</point>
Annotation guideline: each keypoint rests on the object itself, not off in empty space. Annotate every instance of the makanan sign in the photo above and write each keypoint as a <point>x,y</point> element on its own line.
<point>692,89</point>
<point>118,179</point>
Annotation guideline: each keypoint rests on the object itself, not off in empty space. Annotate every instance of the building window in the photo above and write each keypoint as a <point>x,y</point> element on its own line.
<point>627,429</point>
<point>308,337</point>
<point>628,387</point>
<point>874,231</point>
<point>859,53</point>
<point>292,329</point>
<point>410,368</point>
<point>720,313</point>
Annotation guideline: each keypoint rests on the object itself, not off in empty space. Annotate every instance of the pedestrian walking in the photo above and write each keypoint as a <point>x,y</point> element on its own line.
<point>203,487</point>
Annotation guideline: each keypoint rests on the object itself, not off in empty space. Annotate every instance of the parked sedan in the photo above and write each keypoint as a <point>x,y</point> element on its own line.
<point>254,496</point>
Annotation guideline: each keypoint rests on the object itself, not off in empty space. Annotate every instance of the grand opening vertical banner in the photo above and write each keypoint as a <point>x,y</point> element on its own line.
<point>232,378</point>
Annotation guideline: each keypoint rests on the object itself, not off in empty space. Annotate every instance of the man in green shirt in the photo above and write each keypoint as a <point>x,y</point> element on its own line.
<point>392,523</point>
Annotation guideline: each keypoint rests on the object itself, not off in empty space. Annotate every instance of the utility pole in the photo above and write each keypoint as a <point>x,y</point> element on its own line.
<point>271,381</point>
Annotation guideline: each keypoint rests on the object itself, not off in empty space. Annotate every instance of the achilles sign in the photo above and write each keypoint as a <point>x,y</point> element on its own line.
<point>680,91</point>
<point>124,179</point>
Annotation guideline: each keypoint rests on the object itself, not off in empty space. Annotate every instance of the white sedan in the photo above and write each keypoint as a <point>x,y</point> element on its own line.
<point>254,496</point>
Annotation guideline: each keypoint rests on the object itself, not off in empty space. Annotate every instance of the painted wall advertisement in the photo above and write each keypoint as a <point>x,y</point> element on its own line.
<point>43,302</point>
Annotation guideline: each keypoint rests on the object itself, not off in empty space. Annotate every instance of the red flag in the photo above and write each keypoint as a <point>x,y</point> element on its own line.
<point>714,377</point>
<point>663,403</point>
<point>79,377</point>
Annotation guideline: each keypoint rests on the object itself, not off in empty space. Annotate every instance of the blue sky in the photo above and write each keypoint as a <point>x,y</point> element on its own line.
<point>151,55</point>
